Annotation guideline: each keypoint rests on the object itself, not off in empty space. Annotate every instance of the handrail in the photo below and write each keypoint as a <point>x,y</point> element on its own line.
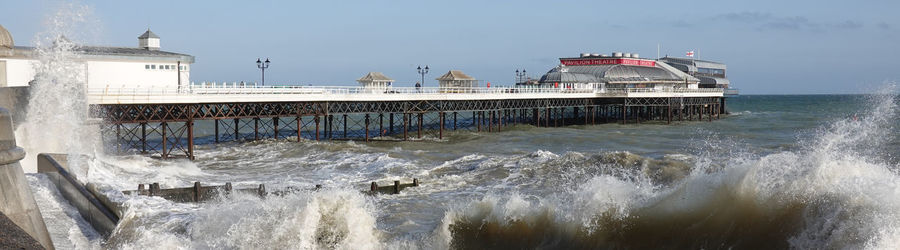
<point>339,90</point>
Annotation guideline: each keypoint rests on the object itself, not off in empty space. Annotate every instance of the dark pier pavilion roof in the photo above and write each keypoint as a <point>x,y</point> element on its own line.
<point>610,73</point>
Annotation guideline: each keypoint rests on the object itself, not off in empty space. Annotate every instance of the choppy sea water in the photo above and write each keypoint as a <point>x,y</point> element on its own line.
<point>779,171</point>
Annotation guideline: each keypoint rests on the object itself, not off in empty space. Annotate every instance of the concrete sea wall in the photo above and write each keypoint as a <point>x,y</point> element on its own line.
<point>16,200</point>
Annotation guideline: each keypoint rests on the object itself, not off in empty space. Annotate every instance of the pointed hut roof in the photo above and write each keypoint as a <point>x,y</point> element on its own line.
<point>454,75</point>
<point>148,34</point>
<point>374,77</point>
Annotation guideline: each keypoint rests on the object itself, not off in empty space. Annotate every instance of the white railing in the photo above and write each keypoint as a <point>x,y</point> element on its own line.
<point>339,90</point>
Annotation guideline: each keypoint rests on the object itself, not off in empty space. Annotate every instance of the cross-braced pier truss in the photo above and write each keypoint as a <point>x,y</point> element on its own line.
<point>167,128</point>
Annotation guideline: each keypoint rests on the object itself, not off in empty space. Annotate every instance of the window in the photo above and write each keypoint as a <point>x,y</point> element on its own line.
<point>146,66</point>
<point>153,66</point>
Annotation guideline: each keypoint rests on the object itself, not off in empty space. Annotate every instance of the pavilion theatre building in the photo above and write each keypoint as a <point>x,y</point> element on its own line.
<point>619,70</point>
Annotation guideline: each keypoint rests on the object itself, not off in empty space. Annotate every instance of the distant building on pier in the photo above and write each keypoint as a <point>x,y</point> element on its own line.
<point>619,70</point>
<point>145,65</point>
<point>456,79</point>
<point>376,82</point>
<point>711,74</point>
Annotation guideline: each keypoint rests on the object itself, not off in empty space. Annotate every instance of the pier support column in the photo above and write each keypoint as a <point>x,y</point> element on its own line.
<point>164,153</point>
<point>275,127</point>
<point>477,119</point>
<point>700,113</point>
<point>420,125</point>
<point>118,138</point>
<point>215,121</point>
<point>299,127</point>
<point>345,125</point>
<point>144,136</point>
<point>316,119</point>
<point>454,120</point>
<point>441,118</point>
<point>391,123</point>
<point>380,124</point>
<point>491,121</point>
<point>367,127</point>
<point>330,127</point>
<point>237,123</point>
<point>256,128</point>
<point>624,114</point>
<point>547,117</point>
<point>190,138</point>
<point>536,118</point>
<point>405,127</point>
<point>669,117</point>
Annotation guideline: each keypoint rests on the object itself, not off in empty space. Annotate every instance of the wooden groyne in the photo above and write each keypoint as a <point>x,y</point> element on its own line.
<point>201,193</point>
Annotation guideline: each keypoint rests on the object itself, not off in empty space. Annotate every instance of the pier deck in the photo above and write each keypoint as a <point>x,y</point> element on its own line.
<point>161,121</point>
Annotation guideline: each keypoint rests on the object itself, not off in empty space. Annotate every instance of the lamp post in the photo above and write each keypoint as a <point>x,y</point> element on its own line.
<point>422,72</point>
<point>520,76</point>
<point>263,66</point>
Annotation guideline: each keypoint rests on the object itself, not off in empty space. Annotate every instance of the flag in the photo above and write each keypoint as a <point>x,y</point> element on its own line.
<point>690,53</point>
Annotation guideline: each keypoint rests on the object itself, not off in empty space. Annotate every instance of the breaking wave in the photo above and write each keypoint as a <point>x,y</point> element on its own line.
<point>840,190</point>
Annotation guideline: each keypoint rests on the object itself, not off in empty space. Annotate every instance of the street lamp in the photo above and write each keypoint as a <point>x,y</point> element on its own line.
<point>520,76</point>
<point>422,72</point>
<point>263,66</point>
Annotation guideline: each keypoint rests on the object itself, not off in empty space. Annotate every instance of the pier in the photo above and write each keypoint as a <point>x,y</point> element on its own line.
<point>161,121</point>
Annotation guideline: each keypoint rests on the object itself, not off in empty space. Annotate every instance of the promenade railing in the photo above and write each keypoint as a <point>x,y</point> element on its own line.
<point>340,90</point>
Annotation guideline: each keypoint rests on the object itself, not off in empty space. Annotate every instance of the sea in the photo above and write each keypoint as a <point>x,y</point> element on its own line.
<point>779,171</point>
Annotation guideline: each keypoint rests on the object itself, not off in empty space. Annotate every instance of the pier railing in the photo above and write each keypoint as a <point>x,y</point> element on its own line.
<point>112,94</point>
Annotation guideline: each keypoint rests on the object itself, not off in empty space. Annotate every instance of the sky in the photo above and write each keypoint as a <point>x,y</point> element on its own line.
<point>770,47</point>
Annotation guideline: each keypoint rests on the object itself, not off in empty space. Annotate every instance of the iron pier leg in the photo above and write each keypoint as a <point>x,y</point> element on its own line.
<point>118,138</point>
<point>441,133</point>
<point>669,118</point>
<point>345,126</point>
<point>299,128</point>
<point>164,154</point>
<point>624,115</point>
<point>700,114</point>
<point>190,135</point>
<point>316,118</point>
<point>491,121</point>
<point>144,137</point>
<point>479,119</point>
<point>405,127</point>
<point>256,128</point>
<point>380,124</point>
<point>275,127</point>
<point>391,123</point>
<point>237,127</point>
<point>367,127</point>
<point>454,120</point>
<point>330,128</point>
<point>216,122</point>
<point>419,124</point>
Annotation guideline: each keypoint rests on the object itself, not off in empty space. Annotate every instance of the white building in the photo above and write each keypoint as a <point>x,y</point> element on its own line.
<point>456,79</point>
<point>145,65</point>
<point>375,82</point>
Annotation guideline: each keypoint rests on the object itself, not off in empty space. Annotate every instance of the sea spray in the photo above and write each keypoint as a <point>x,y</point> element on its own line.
<point>57,110</point>
<point>326,219</point>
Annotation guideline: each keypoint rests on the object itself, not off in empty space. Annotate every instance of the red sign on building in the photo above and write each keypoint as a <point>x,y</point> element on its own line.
<point>607,61</point>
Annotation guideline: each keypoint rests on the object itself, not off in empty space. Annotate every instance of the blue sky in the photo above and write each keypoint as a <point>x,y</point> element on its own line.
<point>771,47</point>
